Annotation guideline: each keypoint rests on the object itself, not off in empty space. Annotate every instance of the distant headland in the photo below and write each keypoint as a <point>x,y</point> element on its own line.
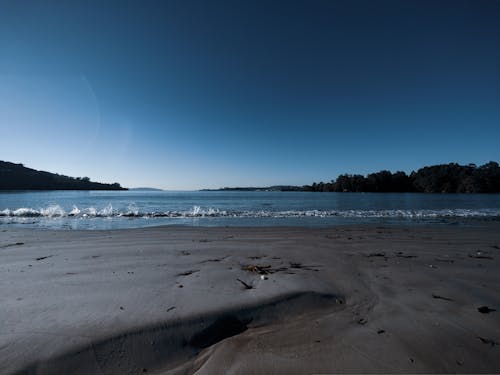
<point>145,189</point>
<point>18,177</point>
<point>442,178</point>
<point>268,188</point>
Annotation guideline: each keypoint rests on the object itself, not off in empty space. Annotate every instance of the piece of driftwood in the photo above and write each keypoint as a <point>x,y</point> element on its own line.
<point>488,341</point>
<point>45,257</point>
<point>187,273</point>
<point>441,297</point>
<point>247,286</point>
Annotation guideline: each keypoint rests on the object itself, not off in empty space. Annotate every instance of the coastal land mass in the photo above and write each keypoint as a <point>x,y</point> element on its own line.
<point>18,177</point>
<point>180,300</point>
<point>442,178</point>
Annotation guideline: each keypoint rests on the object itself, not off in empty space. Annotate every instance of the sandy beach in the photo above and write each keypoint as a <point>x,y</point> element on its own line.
<point>183,300</point>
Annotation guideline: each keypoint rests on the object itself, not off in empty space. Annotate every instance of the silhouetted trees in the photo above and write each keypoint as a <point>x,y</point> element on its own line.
<point>444,178</point>
<point>18,177</point>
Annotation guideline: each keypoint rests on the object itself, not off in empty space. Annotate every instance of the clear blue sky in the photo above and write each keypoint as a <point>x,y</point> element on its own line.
<point>191,94</point>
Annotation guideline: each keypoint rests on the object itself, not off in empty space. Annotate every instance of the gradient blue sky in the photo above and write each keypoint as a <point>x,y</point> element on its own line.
<point>192,94</point>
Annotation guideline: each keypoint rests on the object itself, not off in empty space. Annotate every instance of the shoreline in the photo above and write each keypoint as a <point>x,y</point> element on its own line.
<point>396,223</point>
<point>173,299</point>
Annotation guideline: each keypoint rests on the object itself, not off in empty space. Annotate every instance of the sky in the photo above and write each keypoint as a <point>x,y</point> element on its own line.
<point>205,94</point>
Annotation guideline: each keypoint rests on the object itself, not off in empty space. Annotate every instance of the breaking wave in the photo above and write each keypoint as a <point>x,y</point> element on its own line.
<point>56,211</point>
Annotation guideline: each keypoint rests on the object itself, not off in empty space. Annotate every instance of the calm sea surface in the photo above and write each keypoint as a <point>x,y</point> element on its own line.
<point>128,209</point>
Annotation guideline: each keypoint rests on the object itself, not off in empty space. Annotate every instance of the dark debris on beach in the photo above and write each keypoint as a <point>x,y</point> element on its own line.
<point>485,309</point>
<point>436,296</point>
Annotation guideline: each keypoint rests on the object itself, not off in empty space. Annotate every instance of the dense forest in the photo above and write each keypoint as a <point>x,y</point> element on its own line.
<point>444,178</point>
<point>18,177</point>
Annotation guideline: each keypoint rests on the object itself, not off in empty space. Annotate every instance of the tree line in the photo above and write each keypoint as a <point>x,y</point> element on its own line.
<point>443,178</point>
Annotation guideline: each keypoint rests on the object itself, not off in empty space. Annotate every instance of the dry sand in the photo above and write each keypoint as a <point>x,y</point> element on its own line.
<point>175,300</point>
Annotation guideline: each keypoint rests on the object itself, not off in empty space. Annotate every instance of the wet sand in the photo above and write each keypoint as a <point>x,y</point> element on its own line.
<point>178,300</point>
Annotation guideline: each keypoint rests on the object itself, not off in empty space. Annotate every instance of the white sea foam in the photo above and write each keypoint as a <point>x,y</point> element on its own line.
<point>132,211</point>
<point>75,211</point>
<point>52,211</point>
<point>107,211</point>
<point>198,212</point>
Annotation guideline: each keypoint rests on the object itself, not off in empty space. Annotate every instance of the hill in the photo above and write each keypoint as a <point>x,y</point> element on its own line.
<point>18,177</point>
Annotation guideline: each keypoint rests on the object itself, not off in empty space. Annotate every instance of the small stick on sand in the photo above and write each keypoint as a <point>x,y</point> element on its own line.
<point>45,257</point>
<point>12,244</point>
<point>187,273</point>
<point>247,286</point>
<point>441,297</point>
<point>488,341</point>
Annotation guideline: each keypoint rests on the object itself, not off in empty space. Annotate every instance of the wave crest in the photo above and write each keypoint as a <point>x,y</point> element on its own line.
<point>55,211</point>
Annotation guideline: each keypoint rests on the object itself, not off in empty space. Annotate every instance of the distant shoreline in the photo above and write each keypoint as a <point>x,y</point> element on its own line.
<point>442,178</point>
<point>269,188</point>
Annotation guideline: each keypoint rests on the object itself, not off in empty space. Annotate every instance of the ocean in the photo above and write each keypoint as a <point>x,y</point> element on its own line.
<point>131,209</point>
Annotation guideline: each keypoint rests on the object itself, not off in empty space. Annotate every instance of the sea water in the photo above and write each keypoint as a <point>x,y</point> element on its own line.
<point>130,209</point>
